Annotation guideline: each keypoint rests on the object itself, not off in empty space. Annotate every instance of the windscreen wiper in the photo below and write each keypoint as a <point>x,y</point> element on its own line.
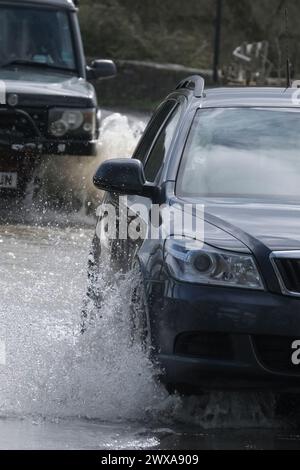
<point>32,63</point>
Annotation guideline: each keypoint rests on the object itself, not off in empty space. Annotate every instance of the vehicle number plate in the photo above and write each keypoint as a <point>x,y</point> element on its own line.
<point>8,180</point>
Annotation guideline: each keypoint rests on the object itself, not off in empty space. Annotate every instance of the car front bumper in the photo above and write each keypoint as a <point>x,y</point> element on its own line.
<point>216,338</point>
<point>50,147</point>
<point>25,133</point>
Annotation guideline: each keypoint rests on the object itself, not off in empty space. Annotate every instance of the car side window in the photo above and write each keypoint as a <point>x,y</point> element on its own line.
<point>162,145</point>
<point>156,123</point>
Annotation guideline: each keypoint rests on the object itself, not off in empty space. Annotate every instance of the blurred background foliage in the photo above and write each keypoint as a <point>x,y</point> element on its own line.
<point>182,31</point>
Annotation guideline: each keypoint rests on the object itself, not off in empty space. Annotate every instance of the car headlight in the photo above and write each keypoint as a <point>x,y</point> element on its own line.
<point>66,121</point>
<point>192,261</point>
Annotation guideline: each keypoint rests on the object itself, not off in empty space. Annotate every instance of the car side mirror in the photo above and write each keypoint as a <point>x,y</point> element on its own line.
<point>123,176</point>
<point>101,69</point>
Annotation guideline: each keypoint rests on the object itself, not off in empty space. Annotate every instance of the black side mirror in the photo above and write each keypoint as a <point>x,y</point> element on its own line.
<point>123,176</point>
<point>101,69</point>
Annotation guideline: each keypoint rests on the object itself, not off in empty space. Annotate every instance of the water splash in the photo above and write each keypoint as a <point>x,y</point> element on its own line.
<point>234,410</point>
<point>68,180</point>
<point>51,369</point>
<point>66,194</point>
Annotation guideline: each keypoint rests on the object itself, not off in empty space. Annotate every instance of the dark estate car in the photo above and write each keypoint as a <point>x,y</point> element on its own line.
<point>47,105</point>
<point>222,304</point>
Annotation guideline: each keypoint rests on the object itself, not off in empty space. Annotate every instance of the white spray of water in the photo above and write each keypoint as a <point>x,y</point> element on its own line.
<point>70,179</point>
<point>52,371</point>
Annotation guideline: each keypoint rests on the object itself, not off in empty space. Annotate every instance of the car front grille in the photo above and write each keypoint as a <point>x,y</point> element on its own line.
<point>287,268</point>
<point>275,353</point>
<point>39,117</point>
<point>16,127</point>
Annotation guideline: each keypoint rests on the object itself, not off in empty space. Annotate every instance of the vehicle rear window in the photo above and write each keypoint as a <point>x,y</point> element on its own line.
<point>242,152</point>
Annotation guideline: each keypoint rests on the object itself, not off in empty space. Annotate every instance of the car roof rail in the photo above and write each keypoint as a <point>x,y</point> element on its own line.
<point>195,83</point>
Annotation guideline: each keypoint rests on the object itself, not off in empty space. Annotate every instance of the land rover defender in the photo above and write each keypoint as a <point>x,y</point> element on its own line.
<point>47,105</point>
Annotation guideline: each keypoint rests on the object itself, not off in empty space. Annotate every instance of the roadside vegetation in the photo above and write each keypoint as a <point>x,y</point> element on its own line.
<point>173,31</point>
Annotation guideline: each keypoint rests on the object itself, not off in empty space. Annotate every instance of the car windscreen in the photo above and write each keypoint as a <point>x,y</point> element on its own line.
<point>36,35</point>
<point>242,152</point>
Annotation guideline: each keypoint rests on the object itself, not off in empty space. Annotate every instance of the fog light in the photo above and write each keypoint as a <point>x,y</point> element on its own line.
<point>59,128</point>
<point>88,127</point>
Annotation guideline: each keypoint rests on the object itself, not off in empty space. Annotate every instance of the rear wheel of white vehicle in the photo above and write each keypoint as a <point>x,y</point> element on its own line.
<point>139,311</point>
